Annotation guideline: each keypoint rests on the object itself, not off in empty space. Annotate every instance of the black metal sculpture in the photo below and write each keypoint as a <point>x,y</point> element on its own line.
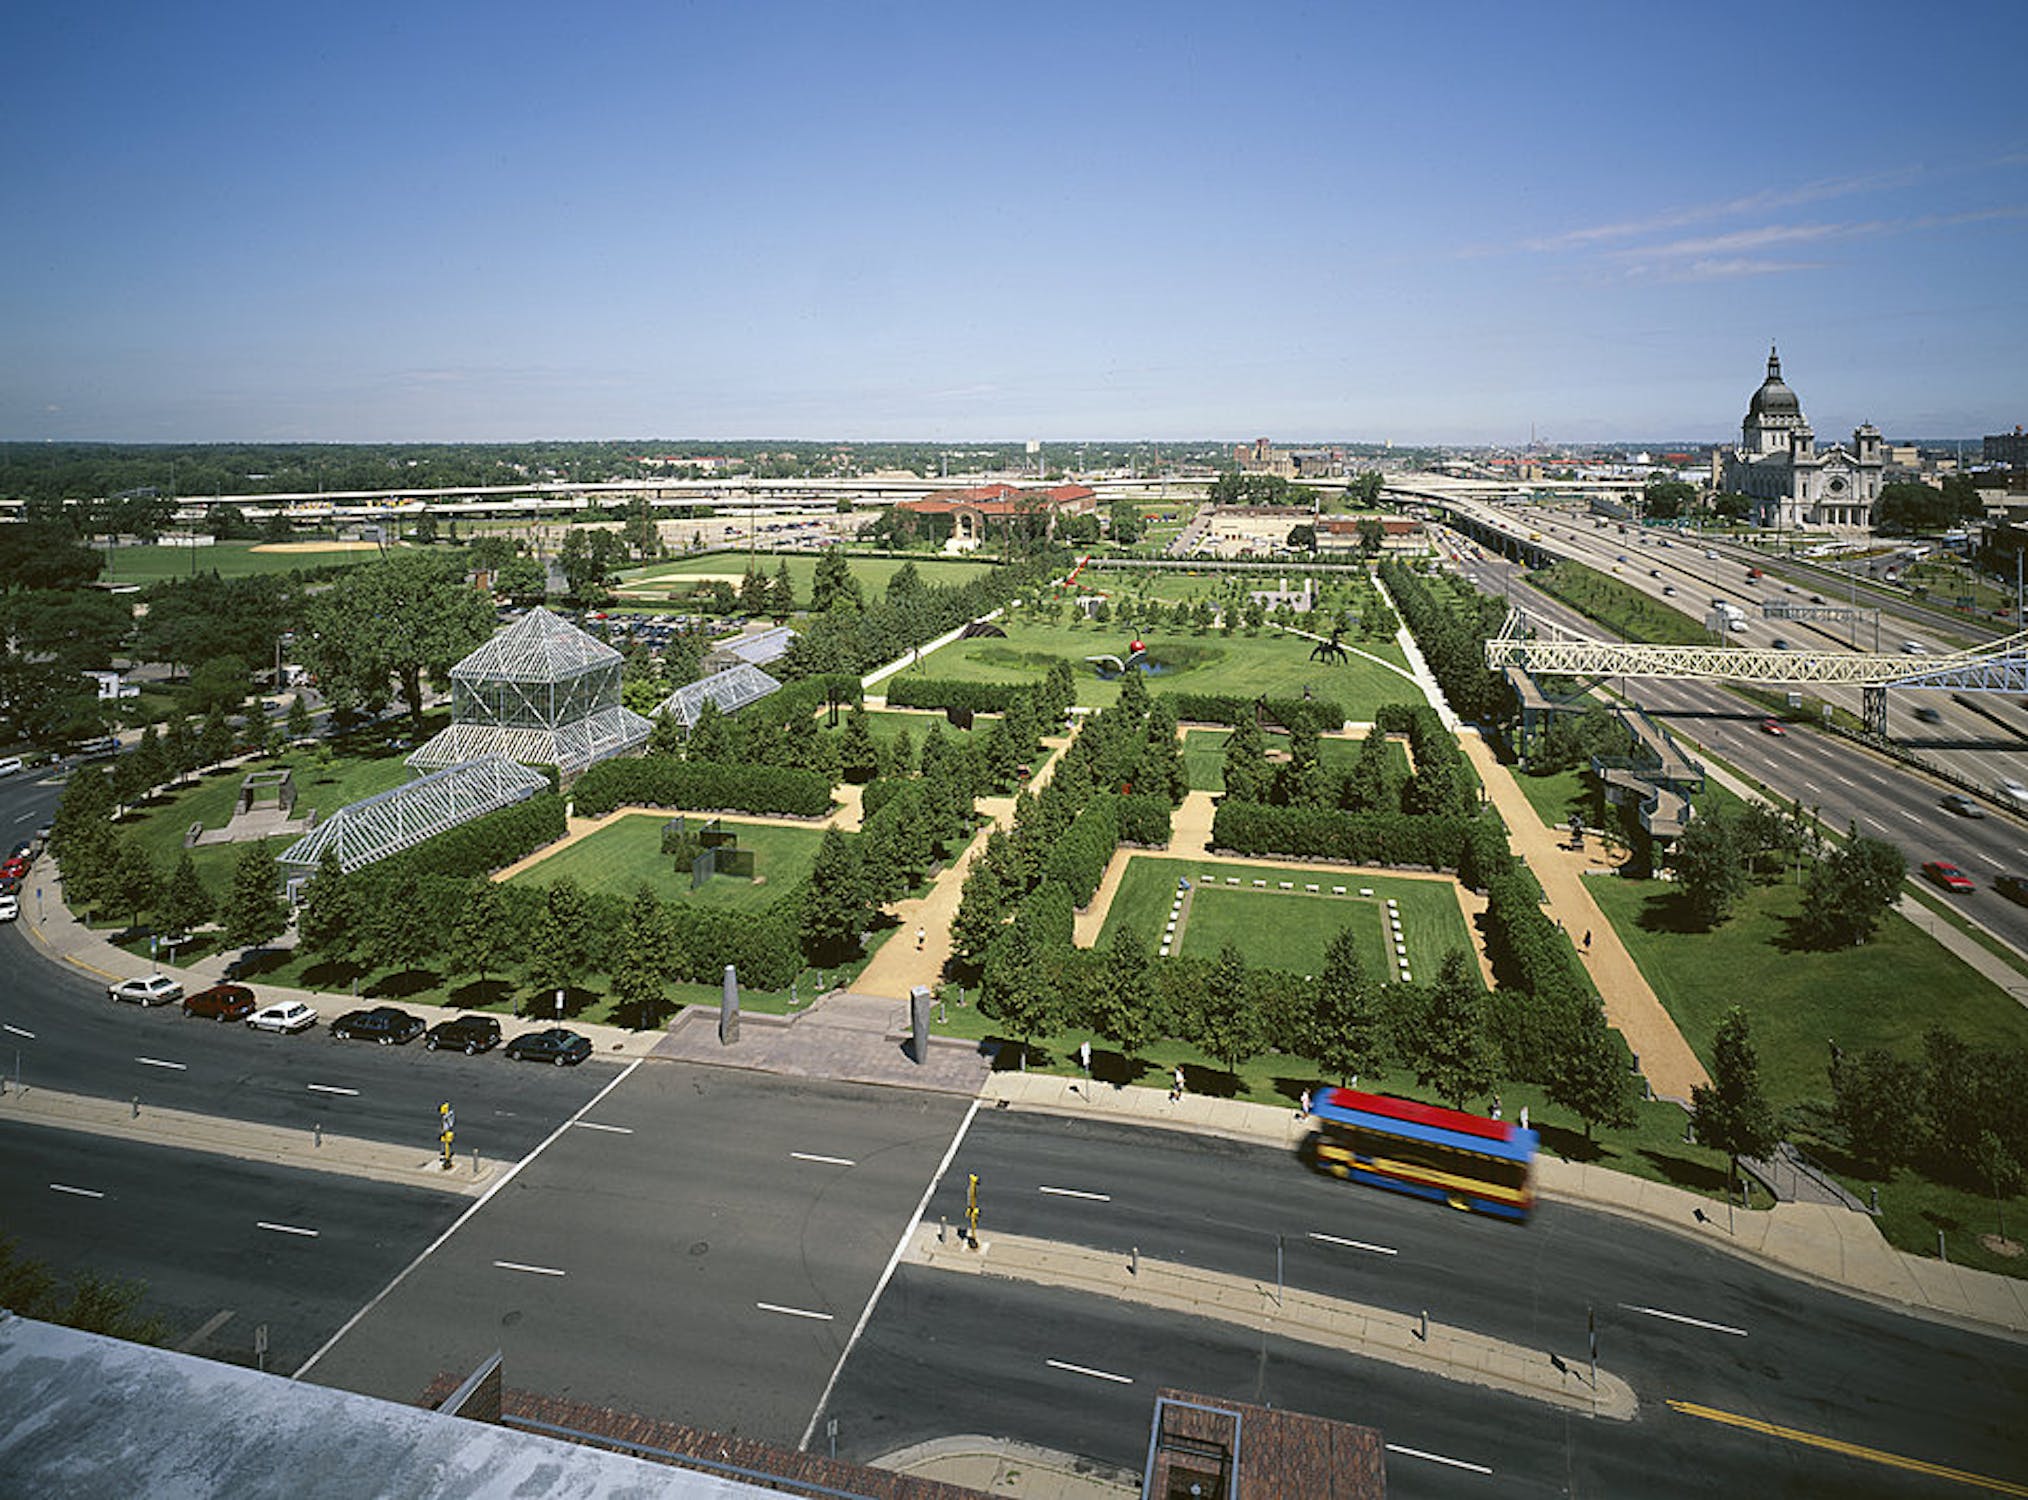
<point>1330,651</point>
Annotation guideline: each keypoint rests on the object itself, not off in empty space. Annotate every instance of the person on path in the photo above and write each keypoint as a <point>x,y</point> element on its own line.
<point>1177,1092</point>
<point>919,935</point>
<point>1084,1058</point>
<point>1303,1106</point>
<point>1587,940</point>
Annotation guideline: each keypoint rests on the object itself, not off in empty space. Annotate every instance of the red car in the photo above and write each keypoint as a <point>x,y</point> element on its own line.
<point>13,869</point>
<point>222,1002</point>
<point>1949,876</point>
<point>1773,727</point>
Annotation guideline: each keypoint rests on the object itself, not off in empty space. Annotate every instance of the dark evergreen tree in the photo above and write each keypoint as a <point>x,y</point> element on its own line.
<point>1450,1048</point>
<point>254,911</point>
<point>186,903</point>
<point>1123,1004</point>
<point>1346,1036</point>
<point>837,907</point>
<point>1731,1113</point>
<point>1588,1072</point>
<point>1246,768</point>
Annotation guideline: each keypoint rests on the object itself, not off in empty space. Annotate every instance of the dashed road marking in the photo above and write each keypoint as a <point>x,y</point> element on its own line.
<point>794,1312</point>
<point>515,1265</point>
<point>1057,1192</point>
<point>828,1161</point>
<point>331,1088</point>
<point>75,1192</point>
<point>1437,1458</point>
<point>156,1062</point>
<point>608,1129</point>
<point>1656,1312</point>
<point>308,1234</point>
<point>1332,1239</point>
<point>1057,1364</point>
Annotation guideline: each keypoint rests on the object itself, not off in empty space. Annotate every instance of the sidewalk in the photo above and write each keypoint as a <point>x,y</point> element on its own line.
<point>1666,1060</point>
<point>1831,1247</point>
<point>69,941</point>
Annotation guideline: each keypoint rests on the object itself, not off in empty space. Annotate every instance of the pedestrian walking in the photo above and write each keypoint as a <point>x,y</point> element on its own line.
<point>1524,1117</point>
<point>1176,1090</point>
<point>1084,1058</point>
<point>1303,1106</point>
<point>1587,940</point>
<point>1496,1106</point>
<point>919,936</point>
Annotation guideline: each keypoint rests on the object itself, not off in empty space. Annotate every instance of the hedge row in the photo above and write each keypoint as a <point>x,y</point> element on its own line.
<point>1231,708</point>
<point>1444,781</point>
<point>1143,819</point>
<point>801,699</point>
<point>485,844</point>
<point>904,691</point>
<point>660,781</point>
<point>1536,973</point>
<point>1079,858</point>
<point>1326,833</point>
<point>1452,639</point>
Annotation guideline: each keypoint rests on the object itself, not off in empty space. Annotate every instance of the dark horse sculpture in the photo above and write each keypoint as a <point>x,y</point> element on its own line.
<point>1330,651</point>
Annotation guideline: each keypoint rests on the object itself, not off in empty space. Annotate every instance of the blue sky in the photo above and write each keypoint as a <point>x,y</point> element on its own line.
<point>1423,222</point>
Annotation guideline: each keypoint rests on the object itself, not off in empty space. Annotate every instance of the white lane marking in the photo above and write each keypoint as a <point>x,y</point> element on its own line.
<point>75,1192</point>
<point>331,1088</point>
<point>156,1062</point>
<point>1437,1458</point>
<point>17,1031</point>
<point>609,1129</point>
<point>794,1312</point>
<point>828,1161</point>
<point>484,1198</point>
<point>308,1234</point>
<point>1332,1239</point>
<point>515,1265</point>
<point>1656,1312</point>
<point>1909,815</point>
<point>1057,1364</point>
<point>26,816</point>
<point>1075,1193</point>
<point>907,1233</point>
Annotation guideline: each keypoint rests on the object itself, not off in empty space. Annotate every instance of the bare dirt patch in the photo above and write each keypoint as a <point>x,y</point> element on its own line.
<point>2005,1248</point>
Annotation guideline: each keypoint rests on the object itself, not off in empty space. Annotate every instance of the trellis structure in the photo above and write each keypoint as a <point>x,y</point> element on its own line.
<point>392,821</point>
<point>732,690</point>
<point>541,692</point>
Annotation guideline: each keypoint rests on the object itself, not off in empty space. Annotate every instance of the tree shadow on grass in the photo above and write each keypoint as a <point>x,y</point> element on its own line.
<point>400,983</point>
<point>260,961</point>
<point>1570,1144</point>
<point>1680,1171</point>
<point>482,994</point>
<point>1670,911</point>
<point>1118,1069</point>
<point>333,974</point>
<point>1213,1083</point>
<point>541,1006</point>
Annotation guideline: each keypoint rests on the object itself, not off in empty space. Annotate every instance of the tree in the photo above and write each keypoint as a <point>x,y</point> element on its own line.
<point>1123,1006</point>
<point>402,930</point>
<point>1303,538</point>
<point>214,741</point>
<point>559,948</point>
<point>1018,988</point>
<point>782,592</point>
<point>1453,1055</point>
<point>640,532</point>
<point>713,737</point>
<point>906,585</point>
<point>328,924</point>
<point>2002,1173</point>
<point>647,952</point>
<point>1709,862</point>
<point>482,934</point>
<point>299,724</point>
<point>1344,1034</point>
<point>217,683</point>
<point>1227,1023</point>
<point>1731,1113</point>
<point>1125,521</point>
<point>253,911</point>
<point>1246,767</point>
<point>77,631</point>
<point>1878,1101</point>
<point>38,553</point>
<point>1370,784</point>
<point>858,756</point>
<point>1588,1072</point>
<point>1667,499</point>
<point>393,622</point>
<point>837,907</point>
<point>753,591</point>
<point>131,883</point>
<point>179,748</point>
<point>186,903</point>
<point>834,583</point>
<point>982,908</point>
<point>1162,767</point>
<point>1850,889</point>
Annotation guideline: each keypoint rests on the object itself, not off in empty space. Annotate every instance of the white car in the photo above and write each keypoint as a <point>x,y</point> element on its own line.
<point>283,1015</point>
<point>2014,792</point>
<point>10,908</point>
<point>151,989</point>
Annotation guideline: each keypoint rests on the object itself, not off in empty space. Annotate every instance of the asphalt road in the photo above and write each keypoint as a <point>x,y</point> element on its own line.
<point>189,1226</point>
<point>1846,784</point>
<point>698,1249</point>
<point>1220,1204</point>
<point>58,1026</point>
<point>949,1353</point>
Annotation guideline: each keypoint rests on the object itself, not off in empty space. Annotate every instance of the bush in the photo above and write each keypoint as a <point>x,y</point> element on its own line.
<point>1231,708</point>
<point>658,781</point>
<point>1079,858</point>
<point>1327,833</point>
<point>904,691</point>
<point>485,844</point>
<point>1144,819</point>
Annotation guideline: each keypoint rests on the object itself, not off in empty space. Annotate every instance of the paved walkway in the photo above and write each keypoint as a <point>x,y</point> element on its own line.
<point>856,1037</point>
<point>1666,1060</point>
<point>1816,1242</point>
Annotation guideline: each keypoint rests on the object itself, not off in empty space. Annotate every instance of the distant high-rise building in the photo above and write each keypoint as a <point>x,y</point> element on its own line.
<point>2009,448</point>
<point>1792,484</point>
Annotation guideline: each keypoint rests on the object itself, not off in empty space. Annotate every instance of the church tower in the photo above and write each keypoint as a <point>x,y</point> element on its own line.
<point>1772,415</point>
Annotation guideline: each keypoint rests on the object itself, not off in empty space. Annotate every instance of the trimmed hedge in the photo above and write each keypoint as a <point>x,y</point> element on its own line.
<point>801,698</point>
<point>1537,974</point>
<point>1231,708</point>
<point>485,844</point>
<point>904,691</point>
<point>660,781</point>
<point>1327,833</point>
<point>1079,858</point>
<point>1144,819</point>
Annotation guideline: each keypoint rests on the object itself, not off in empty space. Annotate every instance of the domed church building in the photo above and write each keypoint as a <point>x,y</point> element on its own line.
<point>1792,484</point>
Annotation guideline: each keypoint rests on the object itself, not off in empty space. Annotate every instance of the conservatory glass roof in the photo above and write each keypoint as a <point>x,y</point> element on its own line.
<point>732,690</point>
<point>392,821</point>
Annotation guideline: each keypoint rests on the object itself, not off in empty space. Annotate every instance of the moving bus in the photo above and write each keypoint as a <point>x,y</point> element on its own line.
<point>1469,1161</point>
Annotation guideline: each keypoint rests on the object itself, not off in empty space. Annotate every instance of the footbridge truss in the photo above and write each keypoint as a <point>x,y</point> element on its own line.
<point>1998,667</point>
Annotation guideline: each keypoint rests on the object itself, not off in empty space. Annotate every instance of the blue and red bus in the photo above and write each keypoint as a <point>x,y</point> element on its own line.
<point>1471,1162</point>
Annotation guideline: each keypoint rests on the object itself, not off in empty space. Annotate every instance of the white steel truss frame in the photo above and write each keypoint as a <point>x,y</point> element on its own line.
<point>403,817</point>
<point>2000,666</point>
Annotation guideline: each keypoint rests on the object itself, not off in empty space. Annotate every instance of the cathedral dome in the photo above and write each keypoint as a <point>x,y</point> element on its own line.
<point>1774,399</point>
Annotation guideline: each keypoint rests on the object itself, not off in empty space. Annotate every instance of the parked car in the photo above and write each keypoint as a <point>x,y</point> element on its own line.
<point>2013,887</point>
<point>151,989</point>
<point>467,1033</point>
<point>1773,727</point>
<point>15,865</point>
<point>222,1002</point>
<point>10,908</point>
<point>1948,875</point>
<point>283,1015</point>
<point>1963,806</point>
<point>554,1045</point>
<point>384,1024</point>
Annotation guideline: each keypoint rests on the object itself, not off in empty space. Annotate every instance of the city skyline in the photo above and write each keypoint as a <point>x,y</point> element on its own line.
<point>1145,223</point>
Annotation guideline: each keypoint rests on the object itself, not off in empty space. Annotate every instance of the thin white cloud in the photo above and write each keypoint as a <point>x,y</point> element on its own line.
<point>1721,269</point>
<point>1767,236</point>
<point>1752,203</point>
